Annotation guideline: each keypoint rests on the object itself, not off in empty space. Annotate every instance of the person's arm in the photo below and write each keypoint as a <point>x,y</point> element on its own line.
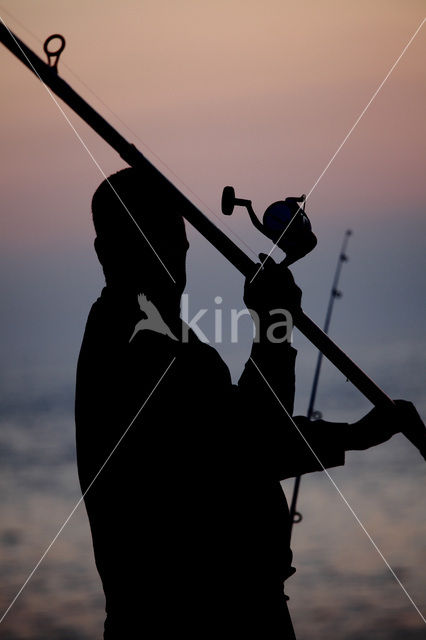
<point>277,445</point>
<point>380,424</point>
<point>270,295</point>
<point>269,441</point>
<point>302,446</point>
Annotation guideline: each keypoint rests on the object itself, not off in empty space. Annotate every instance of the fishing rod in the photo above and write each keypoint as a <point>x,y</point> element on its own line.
<point>295,516</point>
<point>48,74</point>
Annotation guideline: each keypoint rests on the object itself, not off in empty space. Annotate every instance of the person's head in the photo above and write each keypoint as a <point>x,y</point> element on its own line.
<point>140,237</point>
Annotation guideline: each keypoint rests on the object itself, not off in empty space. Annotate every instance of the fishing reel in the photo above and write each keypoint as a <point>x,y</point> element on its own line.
<point>284,222</point>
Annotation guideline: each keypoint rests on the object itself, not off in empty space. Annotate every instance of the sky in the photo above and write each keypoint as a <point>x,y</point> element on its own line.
<point>258,95</point>
<point>217,94</point>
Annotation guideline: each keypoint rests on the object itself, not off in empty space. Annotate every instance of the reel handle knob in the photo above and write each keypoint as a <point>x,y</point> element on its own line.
<point>229,201</point>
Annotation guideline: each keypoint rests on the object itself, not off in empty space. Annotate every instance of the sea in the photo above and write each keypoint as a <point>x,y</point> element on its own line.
<point>360,549</point>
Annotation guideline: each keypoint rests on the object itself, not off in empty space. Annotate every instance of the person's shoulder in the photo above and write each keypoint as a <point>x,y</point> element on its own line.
<point>99,308</point>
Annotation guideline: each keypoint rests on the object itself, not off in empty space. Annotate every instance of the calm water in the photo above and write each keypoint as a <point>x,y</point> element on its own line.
<point>342,589</point>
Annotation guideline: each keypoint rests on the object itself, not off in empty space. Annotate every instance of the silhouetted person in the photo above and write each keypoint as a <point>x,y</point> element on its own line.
<point>189,522</point>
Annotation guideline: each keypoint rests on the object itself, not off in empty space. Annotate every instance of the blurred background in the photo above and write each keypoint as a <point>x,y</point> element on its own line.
<point>258,95</point>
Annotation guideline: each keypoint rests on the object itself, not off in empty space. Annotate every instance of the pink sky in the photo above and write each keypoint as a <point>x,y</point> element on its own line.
<point>256,95</point>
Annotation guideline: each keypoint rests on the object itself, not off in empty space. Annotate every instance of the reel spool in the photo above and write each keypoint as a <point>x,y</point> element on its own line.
<point>284,222</point>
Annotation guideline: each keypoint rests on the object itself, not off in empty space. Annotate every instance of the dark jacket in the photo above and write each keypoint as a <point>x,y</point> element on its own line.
<point>189,522</point>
